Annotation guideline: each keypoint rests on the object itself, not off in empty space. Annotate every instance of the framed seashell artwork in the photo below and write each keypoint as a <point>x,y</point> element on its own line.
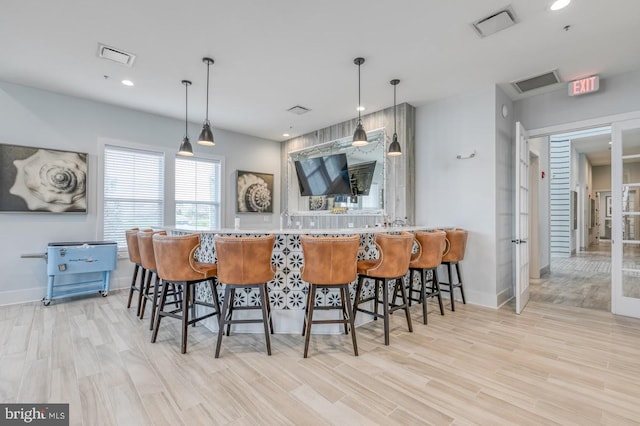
<point>254,192</point>
<point>42,180</point>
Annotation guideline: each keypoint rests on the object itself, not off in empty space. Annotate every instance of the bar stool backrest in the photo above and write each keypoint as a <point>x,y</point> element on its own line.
<point>175,257</point>
<point>145,244</point>
<point>395,255</point>
<point>457,244</point>
<point>432,245</point>
<point>244,260</point>
<point>132,245</point>
<point>330,260</point>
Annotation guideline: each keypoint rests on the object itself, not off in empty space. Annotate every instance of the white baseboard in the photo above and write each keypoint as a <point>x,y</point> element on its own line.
<point>504,296</point>
<point>36,294</point>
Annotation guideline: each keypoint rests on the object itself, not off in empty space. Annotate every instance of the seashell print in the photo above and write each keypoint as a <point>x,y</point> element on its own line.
<point>52,180</point>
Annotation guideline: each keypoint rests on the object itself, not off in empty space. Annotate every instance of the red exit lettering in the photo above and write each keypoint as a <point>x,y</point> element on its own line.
<point>584,85</point>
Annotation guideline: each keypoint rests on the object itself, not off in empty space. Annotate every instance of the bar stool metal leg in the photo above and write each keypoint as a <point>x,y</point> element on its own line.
<point>133,284</point>
<point>223,318</point>
<point>154,301</point>
<point>163,299</point>
<point>186,289</point>
<point>265,316</point>
<point>311,297</point>
<point>344,310</point>
<point>347,302</point>
<point>385,308</point>
<point>460,281</point>
<point>451,288</point>
<point>435,286</point>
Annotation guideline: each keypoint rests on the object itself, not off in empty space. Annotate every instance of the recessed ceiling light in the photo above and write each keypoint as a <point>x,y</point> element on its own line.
<point>127,83</point>
<point>360,108</point>
<point>286,135</point>
<point>560,4</point>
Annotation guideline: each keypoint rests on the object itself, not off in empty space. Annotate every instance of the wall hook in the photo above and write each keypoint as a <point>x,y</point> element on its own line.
<point>466,157</point>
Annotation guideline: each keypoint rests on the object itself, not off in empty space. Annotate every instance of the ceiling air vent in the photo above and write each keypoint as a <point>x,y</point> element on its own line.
<point>115,55</point>
<point>536,82</point>
<point>299,110</point>
<point>496,22</point>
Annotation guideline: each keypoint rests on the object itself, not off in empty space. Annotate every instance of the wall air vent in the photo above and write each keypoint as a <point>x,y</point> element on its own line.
<point>495,22</point>
<point>299,110</point>
<point>536,82</point>
<point>115,55</point>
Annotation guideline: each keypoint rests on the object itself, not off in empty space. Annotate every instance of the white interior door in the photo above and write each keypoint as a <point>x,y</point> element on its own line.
<point>522,218</point>
<point>625,218</point>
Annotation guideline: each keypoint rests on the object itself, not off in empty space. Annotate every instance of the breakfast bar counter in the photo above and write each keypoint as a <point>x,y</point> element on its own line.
<point>287,290</point>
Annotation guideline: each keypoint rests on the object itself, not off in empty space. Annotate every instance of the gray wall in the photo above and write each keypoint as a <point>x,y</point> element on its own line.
<point>505,198</point>
<point>462,192</point>
<point>618,94</point>
<point>540,146</point>
<point>601,178</point>
<point>43,119</point>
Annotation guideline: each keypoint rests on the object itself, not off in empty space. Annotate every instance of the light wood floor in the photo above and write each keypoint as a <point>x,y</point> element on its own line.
<point>582,280</point>
<point>551,365</point>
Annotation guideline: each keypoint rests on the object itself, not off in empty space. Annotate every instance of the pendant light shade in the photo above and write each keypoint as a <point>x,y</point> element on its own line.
<point>360,135</point>
<point>206,135</point>
<point>394,147</point>
<point>185,146</point>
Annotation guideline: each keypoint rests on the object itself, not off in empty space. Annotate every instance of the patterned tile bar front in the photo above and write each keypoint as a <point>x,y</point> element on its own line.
<point>287,291</point>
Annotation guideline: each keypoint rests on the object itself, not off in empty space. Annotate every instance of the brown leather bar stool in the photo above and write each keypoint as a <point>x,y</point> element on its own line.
<point>134,257</point>
<point>391,265</point>
<point>244,262</point>
<point>177,265</point>
<point>148,258</point>
<point>431,247</point>
<point>457,244</point>
<point>331,263</point>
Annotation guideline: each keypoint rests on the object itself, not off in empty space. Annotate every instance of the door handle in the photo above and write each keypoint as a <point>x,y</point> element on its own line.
<point>519,241</point>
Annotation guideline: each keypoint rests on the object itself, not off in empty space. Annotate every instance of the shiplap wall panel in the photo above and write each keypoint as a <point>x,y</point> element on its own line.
<point>560,198</point>
<point>399,190</point>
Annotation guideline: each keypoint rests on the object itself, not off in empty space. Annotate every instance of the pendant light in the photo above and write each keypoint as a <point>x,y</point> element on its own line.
<point>359,136</point>
<point>206,135</point>
<point>394,147</point>
<point>185,146</point>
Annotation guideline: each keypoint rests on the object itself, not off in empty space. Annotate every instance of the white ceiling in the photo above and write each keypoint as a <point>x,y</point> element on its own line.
<point>596,148</point>
<point>272,55</point>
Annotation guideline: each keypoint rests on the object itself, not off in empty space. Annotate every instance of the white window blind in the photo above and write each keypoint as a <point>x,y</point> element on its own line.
<point>197,193</point>
<point>133,191</point>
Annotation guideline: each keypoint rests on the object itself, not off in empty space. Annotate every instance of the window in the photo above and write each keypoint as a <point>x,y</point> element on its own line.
<point>197,193</point>
<point>133,191</point>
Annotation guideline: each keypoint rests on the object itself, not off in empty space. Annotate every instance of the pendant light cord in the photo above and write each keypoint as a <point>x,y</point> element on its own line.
<point>359,103</point>
<point>208,65</point>
<point>394,109</point>
<point>186,109</point>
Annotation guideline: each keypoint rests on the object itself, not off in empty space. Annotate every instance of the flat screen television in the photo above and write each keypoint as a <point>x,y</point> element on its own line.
<point>328,175</point>
<point>361,175</point>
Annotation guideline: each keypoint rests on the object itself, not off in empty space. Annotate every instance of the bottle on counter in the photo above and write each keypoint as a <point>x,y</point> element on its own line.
<point>284,220</point>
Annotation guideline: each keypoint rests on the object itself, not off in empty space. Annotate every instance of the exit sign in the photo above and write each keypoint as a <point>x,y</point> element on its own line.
<point>584,86</point>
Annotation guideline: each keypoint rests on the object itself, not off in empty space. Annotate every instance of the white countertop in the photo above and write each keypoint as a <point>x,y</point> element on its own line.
<point>300,231</point>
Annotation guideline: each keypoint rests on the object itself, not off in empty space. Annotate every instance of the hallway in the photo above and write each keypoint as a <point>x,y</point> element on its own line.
<point>583,280</point>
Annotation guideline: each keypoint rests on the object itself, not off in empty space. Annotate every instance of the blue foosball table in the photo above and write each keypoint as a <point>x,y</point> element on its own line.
<point>79,267</point>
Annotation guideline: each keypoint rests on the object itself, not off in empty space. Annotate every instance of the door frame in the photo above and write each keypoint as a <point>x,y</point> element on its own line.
<point>522,209</point>
<point>607,120</point>
<point>621,304</point>
<point>534,215</point>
